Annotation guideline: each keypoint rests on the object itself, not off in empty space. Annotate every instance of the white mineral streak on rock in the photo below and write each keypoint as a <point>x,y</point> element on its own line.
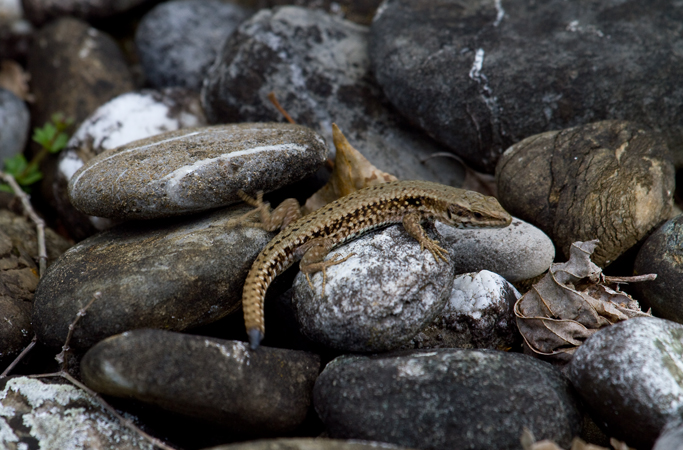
<point>70,164</point>
<point>411,368</point>
<point>474,292</point>
<point>238,353</point>
<point>500,13</point>
<point>113,374</point>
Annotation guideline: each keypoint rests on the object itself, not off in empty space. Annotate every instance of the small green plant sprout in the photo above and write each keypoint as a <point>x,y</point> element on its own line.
<point>52,138</point>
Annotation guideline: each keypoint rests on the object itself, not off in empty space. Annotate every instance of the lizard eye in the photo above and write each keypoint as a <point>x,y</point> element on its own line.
<point>478,215</point>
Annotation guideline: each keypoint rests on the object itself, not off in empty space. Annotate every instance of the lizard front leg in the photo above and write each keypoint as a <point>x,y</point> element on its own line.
<point>411,223</point>
<point>314,252</point>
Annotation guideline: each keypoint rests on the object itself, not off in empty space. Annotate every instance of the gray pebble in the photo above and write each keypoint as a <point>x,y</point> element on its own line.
<point>254,392</point>
<point>178,40</point>
<point>376,300</point>
<point>14,123</point>
<point>194,169</point>
<point>51,413</point>
<point>319,69</point>
<point>517,252</point>
<point>440,399</point>
<point>171,274</point>
<point>629,375</point>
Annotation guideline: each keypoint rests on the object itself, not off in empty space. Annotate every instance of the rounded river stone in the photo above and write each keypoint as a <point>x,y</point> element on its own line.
<point>610,180</point>
<point>255,392</point>
<point>171,274</point>
<point>662,253</point>
<point>480,75</point>
<point>630,375</point>
<point>194,169</point>
<point>14,123</point>
<point>446,398</point>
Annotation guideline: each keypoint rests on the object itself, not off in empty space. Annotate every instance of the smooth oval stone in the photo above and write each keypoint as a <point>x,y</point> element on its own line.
<point>256,392</point>
<point>437,399</point>
<point>319,69</point>
<point>376,300</point>
<point>194,169</point>
<point>14,123</point>
<point>169,274</point>
<point>482,75</point>
<point>478,314</point>
<point>630,375</point>
<point>611,181</point>
<point>51,413</point>
<point>662,254</point>
<point>517,252</point>
<point>307,444</point>
<point>178,40</point>
<point>124,119</point>
<point>671,437</point>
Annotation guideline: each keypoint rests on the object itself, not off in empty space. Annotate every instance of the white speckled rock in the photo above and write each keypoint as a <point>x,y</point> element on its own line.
<point>195,169</point>
<point>630,375</point>
<point>517,252</point>
<point>51,413</point>
<point>376,300</point>
<point>126,118</point>
<point>478,314</point>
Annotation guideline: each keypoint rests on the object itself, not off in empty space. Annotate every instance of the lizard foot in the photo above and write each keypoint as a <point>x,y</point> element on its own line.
<point>321,266</point>
<point>433,246</point>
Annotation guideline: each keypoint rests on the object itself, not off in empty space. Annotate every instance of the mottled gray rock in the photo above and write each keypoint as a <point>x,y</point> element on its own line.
<point>171,274</point>
<point>40,11</point>
<point>194,169</point>
<point>378,299</point>
<point>359,11</point>
<point>629,375</point>
<point>307,444</point>
<point>517,252</point>
<point>482,75</point>
<point>437,399</point>
<point>178,40</point>
<point>478,314</point>
<point>14,123</point>
<point>74,69</point>
<point>51,413</point>
<point>611,181</point>
<point>256,392</point>
<point>126,118</point>
<point>662,253</point>
<point>318,67</point>
<point>671,437</point>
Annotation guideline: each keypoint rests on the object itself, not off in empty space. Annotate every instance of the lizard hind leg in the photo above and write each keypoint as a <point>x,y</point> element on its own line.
<point>411,223</point>
<point>313,259</point>
<point>286,212</point>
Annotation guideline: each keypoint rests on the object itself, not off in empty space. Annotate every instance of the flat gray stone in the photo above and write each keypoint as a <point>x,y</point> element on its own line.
<point>438,399</point>
<point>171,274</point>
<point>319,69</point>
<point>194,169</point>
<point>630,375</point>
<point>517,252</point>
<point>376,300</point>
<point>51,413</point>
<point>254,392</point>
<point>307,444</point>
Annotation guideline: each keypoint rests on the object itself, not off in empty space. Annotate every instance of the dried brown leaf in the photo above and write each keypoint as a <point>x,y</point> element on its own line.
<point>352,171</point>
<point>14,79</point>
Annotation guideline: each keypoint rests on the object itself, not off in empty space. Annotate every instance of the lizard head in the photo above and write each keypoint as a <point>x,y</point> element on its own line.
<point>469,209</point>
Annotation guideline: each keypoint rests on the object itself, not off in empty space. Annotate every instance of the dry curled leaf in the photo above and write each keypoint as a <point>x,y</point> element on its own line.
<point>570,304</point>
<point>14,79</point>
<point>352,171</point>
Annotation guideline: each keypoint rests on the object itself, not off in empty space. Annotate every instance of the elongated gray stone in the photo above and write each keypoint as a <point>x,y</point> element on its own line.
<point>194,169</point>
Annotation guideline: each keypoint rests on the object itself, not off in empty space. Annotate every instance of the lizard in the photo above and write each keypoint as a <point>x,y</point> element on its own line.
<point>310,238</point>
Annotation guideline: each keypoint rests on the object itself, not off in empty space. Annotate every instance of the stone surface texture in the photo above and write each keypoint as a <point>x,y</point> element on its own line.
<point>480,76</point>
<point>378,299</point>
<point>629,375</point>
<point>178,40</point>
<point>442,398</point>
<point>662,253</point>
<point>307,444</point>
<point>51,413</point>
<point>359,11</point>
<point>517,252</point>
<point>611,181</point>
<point>170,274</point>
<point>255,392</point>
<point>14,123</point>
<point>318,67</point>
<point>195,169</point>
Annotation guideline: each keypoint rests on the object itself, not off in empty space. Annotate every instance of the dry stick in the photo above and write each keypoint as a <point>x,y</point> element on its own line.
<point>23,353</point>
<point>62,356</point>
<point>634,279</point>
<point>40,223</point>
<point>277,105</point>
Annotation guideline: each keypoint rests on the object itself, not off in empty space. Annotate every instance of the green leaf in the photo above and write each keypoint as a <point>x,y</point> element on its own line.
<point>59,143</point>
<point>6,188</point>
<point>30,178</point>
<point>44,135</point>
<point>16,164</point>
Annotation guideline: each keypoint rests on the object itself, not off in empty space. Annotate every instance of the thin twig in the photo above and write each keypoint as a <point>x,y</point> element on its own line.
<point>279,107</point>
<point>23,353</point>
<point>634,279</point>
<point>62,356</point>
<point>40,223</point>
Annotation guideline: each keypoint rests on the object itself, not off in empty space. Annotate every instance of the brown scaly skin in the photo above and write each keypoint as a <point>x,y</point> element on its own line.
<point>312,237</point>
